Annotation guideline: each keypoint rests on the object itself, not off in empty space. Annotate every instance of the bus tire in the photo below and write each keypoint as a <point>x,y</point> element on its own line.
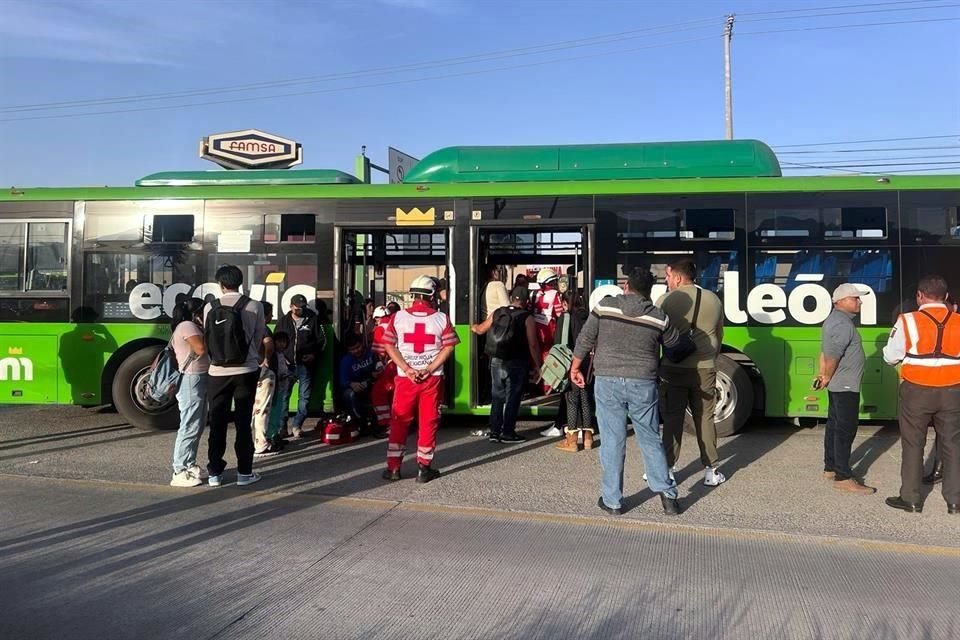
<point>734,399</point>
<point>128,391</point>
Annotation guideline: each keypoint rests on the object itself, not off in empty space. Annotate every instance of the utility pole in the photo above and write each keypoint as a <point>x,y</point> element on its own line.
<point>727,89</point>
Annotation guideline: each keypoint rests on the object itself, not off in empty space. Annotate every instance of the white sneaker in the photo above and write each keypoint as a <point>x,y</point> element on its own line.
<point>185,478</point>
<point>552,432</point>
<point>198,471</point>
<point>669,472</point>
<point>244,479</point>
<point>712,477</point>
<point>215,481</point>
<point>297,433</point>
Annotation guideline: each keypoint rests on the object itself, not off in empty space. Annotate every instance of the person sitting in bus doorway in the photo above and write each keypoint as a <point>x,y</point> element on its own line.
<point>234,329</point>
<point>926,343</point>
<point>511,346</point>
<point>625,334</point>
<point>381,394</point>
<point>307,342</point>
<point>692,382</point>
<point>842,361</point>
<point>419,341</point>
<point>358,369</point>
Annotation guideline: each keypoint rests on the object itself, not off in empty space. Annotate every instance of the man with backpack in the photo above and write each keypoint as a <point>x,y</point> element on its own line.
<point>692,382</point>
<point>307,342</point>
<point>514,352</point>
<point>234,329</point>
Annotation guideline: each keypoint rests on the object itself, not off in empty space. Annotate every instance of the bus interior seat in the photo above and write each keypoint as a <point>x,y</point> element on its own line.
<point>710,276</point>
<point>872,268</point>
<point>764,272</point>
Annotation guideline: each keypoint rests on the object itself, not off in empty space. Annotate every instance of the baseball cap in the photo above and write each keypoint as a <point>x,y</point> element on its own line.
<point>848,290</point>
<point>521,293</point>
<point>299,300</point>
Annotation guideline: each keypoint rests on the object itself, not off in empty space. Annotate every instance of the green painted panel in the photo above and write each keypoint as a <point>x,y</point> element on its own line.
<point>28,369</point>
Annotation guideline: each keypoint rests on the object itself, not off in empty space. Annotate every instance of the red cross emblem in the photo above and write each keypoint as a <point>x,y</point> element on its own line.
<point>419,338</point>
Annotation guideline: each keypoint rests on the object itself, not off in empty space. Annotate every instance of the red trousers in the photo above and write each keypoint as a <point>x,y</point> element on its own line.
<point>408,397</point>
<point>545,337</point>
<point>381,394</point>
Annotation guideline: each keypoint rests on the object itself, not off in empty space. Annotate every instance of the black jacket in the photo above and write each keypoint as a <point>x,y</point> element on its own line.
<point>309,339</point>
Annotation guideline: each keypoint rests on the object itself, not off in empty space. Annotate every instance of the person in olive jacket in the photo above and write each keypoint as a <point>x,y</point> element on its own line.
<point>306,344</point>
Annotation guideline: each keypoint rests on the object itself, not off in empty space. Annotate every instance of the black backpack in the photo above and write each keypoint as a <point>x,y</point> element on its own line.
<point>226,341</point>
<point>507,334</point>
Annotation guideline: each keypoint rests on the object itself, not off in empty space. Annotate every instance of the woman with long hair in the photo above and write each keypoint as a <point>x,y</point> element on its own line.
<point>187,342</point>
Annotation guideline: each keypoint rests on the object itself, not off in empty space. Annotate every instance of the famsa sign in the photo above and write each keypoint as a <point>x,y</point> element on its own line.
<point>251,149</point>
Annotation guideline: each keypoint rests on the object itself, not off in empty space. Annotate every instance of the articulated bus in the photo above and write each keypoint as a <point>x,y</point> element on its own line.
<point>88,276</point>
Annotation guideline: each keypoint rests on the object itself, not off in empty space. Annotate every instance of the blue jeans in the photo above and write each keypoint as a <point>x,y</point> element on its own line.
<point>616,399</point>
<point>303,374</point>
<point>358,403</point>
<point>508,378</point>
<point>192,400</point>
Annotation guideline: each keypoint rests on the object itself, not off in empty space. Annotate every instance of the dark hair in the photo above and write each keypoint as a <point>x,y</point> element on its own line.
<point>521,279</point>
<point>393,306</point>
<point>229,277</point>
<point>187,309</point>
<point>267,308</point>
<point>685,267</point>
<point>574,299</point>
<point>352,340</point>
<point>281,336</point>
<point>520,293</point>
<point>933,287</point>
<point>640,281</point>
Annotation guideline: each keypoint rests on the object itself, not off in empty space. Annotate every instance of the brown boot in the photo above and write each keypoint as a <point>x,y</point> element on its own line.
<point>569,443</point>
<point>829,475</point>
<point>852,485</point>
<point>587,440</point>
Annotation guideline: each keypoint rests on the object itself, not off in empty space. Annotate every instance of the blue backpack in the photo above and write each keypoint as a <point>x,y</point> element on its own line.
<point>165,374</point>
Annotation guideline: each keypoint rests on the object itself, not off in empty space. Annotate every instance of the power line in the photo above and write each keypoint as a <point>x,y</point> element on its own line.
<point>842,6</point>
<point>849,13</point>
<point>881,149</point>
<point>845,26</point>
<point>824,144</point>
<point>482,57</point>
<point>885,164</point>
<point>885,158</point>
<point>355,87</point>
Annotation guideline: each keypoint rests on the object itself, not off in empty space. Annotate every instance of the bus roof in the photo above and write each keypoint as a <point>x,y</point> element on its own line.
<point>703,159</point>
<point>262,177</point>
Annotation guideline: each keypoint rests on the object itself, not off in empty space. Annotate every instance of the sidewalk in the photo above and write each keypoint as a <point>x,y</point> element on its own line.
<point>774,475</point>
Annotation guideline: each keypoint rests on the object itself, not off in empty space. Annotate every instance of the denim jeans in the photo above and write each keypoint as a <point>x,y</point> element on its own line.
<point>616,399</point>
<point>192,400</point>
<point>303,374</point>
<point>358,404</point>
<point>508,378</point>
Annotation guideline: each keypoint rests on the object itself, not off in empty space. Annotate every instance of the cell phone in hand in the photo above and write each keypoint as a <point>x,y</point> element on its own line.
<point>818,383</point>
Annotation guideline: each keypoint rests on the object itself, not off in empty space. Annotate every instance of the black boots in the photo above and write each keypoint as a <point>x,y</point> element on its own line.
<point>426,474</point>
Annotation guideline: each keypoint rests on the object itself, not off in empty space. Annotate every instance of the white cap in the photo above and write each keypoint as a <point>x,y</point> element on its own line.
<point>848,290</point>
<point>380,312</point>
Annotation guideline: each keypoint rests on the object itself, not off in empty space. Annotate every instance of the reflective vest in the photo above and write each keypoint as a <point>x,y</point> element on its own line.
<point>932,347</point>
<point>420,333</point>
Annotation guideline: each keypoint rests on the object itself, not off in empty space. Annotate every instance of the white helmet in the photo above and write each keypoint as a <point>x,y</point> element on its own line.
<point>423,286</point>
<point>545,276</point>
<point>380,312</point>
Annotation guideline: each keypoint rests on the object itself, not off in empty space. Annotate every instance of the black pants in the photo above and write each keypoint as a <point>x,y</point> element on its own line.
<point>842,422</point>
<point>241,390</point>
<point>579,409</point>
<point>919,406</point>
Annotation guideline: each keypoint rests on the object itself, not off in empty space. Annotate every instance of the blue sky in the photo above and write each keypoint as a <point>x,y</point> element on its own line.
<point>617,71</point>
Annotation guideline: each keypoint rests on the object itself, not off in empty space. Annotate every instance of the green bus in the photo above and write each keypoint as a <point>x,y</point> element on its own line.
<point>89,275</point>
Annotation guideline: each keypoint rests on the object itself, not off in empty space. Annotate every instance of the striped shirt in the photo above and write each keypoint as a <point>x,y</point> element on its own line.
<point>625,333</point>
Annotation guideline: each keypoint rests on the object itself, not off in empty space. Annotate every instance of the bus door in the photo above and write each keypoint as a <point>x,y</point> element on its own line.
<point>376,267</point>
<point>519,254</point>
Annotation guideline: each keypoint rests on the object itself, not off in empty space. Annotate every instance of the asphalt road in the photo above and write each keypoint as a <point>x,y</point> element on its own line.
<point>509,543</point>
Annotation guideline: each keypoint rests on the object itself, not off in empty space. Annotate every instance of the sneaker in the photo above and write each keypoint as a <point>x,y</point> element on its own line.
<point>552,432</point>
<point>513,437</point>
<point>198,471</point>
<point>266,453</point>
<point>185,478</point>
<point>480,433</point>
<point>712,477</point>
<point>297,433</point>
<point>243,479</point>
<point>669,473</point>
<point>215,481</point>
<point>426,474</point>
<point>493,437</point>
<point>391,476</point>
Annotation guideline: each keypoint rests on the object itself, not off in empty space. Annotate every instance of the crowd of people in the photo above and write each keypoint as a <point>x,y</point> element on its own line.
<point>630,357</point>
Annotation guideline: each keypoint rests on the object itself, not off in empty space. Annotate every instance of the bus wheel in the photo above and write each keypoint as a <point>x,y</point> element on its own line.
<point>130,394</point>
<point>734,399</point>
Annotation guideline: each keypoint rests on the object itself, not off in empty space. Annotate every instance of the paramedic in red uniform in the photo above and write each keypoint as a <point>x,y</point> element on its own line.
<point>381,395</point>
<point>547,307</point>
<point>418,340</point>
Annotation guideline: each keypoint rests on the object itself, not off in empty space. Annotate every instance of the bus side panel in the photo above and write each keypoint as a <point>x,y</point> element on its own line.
<point>28,369</point>
<point>769,354</point>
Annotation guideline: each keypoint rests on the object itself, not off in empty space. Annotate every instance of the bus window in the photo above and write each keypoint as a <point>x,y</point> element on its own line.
<point>11,256</point>
<point>137,286</point>
<point>785,223</point>
<point>855,222</point>
<point>290,228</point>
<point>930,218</point>
<point>147,221</point>
<point>46,256</point>
<point>168,228</point>
<point>711,267</point>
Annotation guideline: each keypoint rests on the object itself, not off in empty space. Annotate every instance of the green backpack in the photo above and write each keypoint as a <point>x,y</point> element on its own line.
<point>556,366</point>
